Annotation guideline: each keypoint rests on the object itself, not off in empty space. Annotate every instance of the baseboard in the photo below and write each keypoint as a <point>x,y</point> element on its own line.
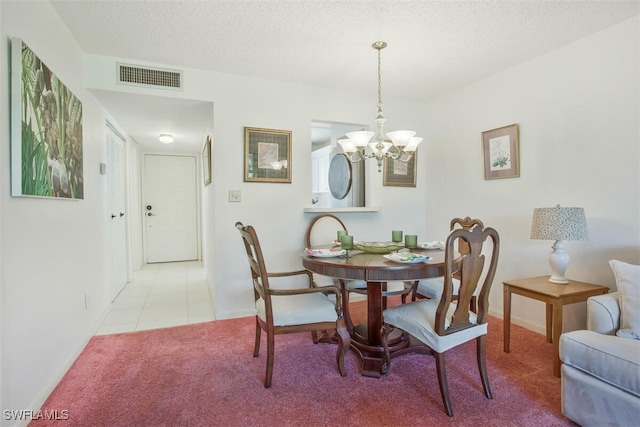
<point>48,388</point>
<point>520,322</point>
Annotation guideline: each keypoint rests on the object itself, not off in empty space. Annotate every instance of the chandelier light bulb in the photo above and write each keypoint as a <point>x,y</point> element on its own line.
<point>413,144</point>
<point>347,146</point>
<point>401,138</point>
<point>361,138</point>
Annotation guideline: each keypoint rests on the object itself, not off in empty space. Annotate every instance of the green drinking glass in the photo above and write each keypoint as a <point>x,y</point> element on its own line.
<point>411,241</point>
<point>346,242</point>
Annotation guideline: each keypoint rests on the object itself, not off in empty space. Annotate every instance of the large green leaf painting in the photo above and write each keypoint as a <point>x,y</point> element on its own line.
<point>51,142</point>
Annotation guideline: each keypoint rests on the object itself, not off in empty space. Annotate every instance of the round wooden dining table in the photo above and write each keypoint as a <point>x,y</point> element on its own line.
<point>376,271</point>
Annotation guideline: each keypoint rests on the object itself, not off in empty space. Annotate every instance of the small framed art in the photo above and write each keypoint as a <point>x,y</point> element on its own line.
<point>501,156</point>
<point>267,155</point>
<point>399,173</point>
<point>206,161</point>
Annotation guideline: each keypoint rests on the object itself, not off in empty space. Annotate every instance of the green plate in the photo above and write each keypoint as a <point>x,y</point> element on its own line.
<point>378,247</point>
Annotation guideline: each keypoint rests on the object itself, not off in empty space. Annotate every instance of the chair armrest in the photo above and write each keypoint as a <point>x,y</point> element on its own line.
<point>290,273</point>
<point>294,273</point>
<point>603,313</point>
<point>299,291</point>
<point>313,288</point>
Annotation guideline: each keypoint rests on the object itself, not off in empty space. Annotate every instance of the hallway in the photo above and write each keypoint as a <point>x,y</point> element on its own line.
<point>161,295</point>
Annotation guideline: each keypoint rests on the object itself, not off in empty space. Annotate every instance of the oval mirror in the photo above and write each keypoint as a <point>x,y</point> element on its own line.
<point>339,176</point>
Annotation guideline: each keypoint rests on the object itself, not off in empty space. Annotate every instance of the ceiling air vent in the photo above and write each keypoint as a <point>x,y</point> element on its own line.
<point>149,77</point>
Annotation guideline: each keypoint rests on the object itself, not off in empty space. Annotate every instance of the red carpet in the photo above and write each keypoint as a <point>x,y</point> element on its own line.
<point>205,375</point>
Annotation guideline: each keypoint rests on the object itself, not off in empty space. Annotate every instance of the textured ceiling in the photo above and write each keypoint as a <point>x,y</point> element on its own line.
<point>434,46</point>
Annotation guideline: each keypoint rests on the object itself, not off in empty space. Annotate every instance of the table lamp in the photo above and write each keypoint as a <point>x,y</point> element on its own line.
<point>559,224</point>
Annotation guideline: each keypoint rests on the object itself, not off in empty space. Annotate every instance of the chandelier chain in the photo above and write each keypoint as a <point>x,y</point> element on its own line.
<point>379,82</point>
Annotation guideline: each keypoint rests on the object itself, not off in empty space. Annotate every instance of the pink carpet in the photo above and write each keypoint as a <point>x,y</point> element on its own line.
<point>205,375</point>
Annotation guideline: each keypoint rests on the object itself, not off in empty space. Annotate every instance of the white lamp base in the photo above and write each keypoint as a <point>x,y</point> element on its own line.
<point>559,261</point>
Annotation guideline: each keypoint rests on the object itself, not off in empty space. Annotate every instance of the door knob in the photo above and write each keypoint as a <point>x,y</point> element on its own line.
<point>112,216</point>
<point>150,214</point>
<point>121,214</point>
<point>149,207</point>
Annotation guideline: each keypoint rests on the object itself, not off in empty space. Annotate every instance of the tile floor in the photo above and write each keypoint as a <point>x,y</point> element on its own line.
<point>160,296</point>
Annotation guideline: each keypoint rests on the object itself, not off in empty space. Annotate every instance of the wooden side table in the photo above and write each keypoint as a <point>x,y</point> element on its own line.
<point>555,297</point>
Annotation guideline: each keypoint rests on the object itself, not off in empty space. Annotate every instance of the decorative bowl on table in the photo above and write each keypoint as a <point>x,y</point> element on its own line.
<point>436,244</point>
<point>325,253</point>
<point>378,247</point>
<point>407,257</point>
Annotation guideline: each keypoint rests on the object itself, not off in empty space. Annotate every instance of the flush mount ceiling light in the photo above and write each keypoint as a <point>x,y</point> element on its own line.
<point>166,138</point>
<point>404,141</point>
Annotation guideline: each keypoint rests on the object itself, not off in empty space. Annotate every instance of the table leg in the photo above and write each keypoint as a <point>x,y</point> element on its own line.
<point>374,312</point>
<point>345,307</point>
<point>549,321</point>
<point>557,330</point>
<point>506,316</point>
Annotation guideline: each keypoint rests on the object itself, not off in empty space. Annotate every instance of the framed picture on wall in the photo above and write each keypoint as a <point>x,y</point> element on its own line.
<point>267,155</point>
<point>501,156</point>
<point>400,173</point>
<point>46,130</point>
<point>206,161</point>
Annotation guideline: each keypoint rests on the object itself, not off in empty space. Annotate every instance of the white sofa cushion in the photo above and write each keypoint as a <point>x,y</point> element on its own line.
<point>628,283</point>
<point>609,358</point>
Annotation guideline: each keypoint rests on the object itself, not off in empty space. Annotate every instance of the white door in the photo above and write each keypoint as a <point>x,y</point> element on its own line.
<point>170,208</point>
<point>117,214</point>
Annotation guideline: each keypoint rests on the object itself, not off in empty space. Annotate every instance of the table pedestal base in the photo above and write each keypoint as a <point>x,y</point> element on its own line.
<point>372,355</point>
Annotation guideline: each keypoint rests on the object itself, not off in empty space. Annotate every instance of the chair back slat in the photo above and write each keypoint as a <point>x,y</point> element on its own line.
<point>256,264</point>
<point>468,268</point>
<point>322,230</point>
<point>466,223</point>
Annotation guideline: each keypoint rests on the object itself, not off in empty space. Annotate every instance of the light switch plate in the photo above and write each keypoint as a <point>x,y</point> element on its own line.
<point>234,195</point>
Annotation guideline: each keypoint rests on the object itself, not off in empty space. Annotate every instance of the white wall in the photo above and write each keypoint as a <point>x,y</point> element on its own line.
<point>53,252</point>
<point>578,112</point>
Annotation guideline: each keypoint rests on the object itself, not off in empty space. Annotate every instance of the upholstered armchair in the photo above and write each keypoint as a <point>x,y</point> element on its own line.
<point>601,370</point>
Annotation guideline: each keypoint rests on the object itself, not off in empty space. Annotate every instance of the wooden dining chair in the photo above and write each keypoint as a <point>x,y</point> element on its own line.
<point>282,311</point>
<point>442,324</point>
<point>432,287</point>
<point>322,230</point>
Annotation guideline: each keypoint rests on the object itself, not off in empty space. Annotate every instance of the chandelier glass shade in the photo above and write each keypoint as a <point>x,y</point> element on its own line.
<point>398,145</point>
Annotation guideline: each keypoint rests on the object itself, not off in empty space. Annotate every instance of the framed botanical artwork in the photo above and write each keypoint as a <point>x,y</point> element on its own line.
<point>400,173</point>
<point>46,130</point>
<point>206,161</point>
<point>267,155</point>
<point>501,156</point>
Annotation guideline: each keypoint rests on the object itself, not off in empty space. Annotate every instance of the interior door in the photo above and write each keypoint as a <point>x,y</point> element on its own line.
<point>117,215</point>
<point>170,208</point>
